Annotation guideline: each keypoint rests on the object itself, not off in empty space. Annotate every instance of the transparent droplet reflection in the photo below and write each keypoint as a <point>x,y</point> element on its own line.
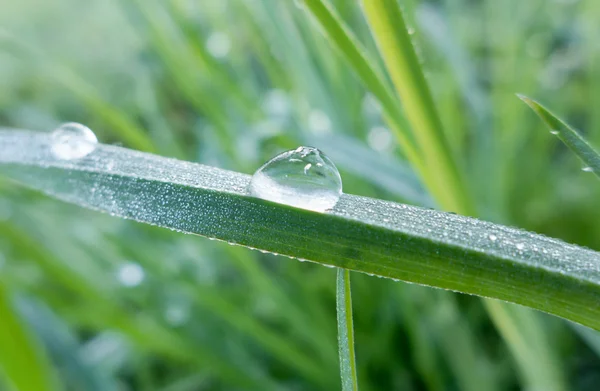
<point>304,178</point>
<point>73,141</point>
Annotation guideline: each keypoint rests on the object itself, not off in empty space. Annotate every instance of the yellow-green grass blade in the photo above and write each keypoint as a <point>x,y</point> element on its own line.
<point>343,39</point>
<point>442,175</point>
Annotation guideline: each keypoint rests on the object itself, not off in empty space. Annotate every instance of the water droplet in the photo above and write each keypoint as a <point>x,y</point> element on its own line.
<point>131,274</point>
<point>380,139</point>
<point>319,122</point>
<point>73,141</point>
<point>587,169</point>
<point>520,246</point>
<point>554,132</point>
<point>177,313</point>
<point>276,103</point>
<point>411,31</point>
<point>304,178</point>
<point>493,237</point>
<point>218,44</point>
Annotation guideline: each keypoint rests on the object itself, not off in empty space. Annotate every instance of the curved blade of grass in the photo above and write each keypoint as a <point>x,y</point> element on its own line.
<point>362,234</point>
<point>21,358</point>
<point>567,135</point>
<point>345,331</point>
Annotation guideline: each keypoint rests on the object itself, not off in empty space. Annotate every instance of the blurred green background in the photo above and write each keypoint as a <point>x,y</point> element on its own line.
<point>118,305</point>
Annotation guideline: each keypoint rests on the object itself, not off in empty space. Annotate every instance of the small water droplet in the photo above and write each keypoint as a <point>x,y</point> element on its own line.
<point>411,31</point>
<point>177,313</point>
<point>520,246</point>
<point>73,141</point>
<point>493,237</point>
<point>304,178</point>
<point>131,274</point>
<point>554,132</point>
<point>380,139</point>
<point>319,122</point>
<point>587,169</point>
<point>218,44</point>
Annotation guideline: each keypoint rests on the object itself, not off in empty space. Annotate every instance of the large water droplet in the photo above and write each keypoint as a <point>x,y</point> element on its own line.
<point>73,141</point>
<point>303,177</point>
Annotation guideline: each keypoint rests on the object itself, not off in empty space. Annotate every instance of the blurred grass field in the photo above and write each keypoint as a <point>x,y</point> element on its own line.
<point>122,306</point>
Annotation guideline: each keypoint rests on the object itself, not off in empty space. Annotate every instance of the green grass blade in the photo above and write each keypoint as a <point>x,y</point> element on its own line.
<point>363,234</point>
<point>105,313</point>
<point>345,331</point>
<point>21,358</point>
<point>442,176</point>
<point>529,344</point>
<point>567,135</point>
<point>62,346</point>
<point>342,39</point>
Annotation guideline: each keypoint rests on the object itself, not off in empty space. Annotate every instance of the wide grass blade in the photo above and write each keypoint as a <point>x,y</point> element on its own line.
<point>345,331</point>
<point>362,234</point>
<point>22,360</point>
<point>567,135</point>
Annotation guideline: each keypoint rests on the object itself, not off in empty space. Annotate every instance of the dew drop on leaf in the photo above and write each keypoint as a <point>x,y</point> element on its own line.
<point>554,132</point>
<point>73,141</point>
<point>587,169</point>
<point>303,177</point>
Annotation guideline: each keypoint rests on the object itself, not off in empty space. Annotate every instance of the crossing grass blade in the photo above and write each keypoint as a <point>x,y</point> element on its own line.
<point>362,234</point>
<point>567,135</point>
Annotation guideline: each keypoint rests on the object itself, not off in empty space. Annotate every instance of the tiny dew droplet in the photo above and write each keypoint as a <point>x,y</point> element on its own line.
<point>554,132</point>
<point>303,177</point>
<point>587,169</point>
<point>131,274</point>
<point>493,237</point>
<point>73,141</point>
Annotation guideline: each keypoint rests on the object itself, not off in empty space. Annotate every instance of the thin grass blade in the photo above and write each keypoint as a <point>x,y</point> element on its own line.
<point>567,135</point>
<point>345,331</point>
